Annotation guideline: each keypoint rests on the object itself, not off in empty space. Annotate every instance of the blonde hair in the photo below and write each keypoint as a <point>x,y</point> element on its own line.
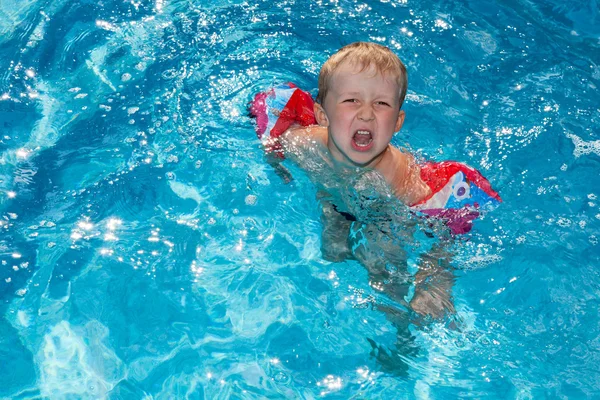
<point>364,54</point>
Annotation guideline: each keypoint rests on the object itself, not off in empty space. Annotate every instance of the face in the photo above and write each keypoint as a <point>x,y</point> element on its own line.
<point>361,112</point>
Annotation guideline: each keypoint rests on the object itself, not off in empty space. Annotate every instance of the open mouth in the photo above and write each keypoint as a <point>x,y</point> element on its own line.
<point>362,140</point>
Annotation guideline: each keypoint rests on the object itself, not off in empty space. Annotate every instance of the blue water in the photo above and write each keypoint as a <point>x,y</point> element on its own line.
<point>148,251</point>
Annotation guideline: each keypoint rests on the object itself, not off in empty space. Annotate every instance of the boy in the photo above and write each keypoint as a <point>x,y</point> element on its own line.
<point>358,110</point>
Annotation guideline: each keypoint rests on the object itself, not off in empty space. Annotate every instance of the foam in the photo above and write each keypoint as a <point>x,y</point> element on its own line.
<point>582,147</point>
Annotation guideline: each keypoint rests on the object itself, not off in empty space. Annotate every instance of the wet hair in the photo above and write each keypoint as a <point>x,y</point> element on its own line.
<point>364,54</point>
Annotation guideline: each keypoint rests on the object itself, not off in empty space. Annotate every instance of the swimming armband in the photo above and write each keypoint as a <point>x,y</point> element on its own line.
<point>458,192</point>
<point>277,109</point>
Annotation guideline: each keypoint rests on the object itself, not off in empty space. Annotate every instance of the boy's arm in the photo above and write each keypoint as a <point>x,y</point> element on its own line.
<point>300,136</point>
<point>434,281</point>
<point>289,141</point>
<point>415,189</point>
<point>335,231</point>
<point>275,162</point>
<point>404,175</point>
<point>433,284</point>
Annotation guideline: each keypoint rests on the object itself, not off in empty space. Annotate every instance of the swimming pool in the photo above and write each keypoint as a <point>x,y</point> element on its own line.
<point>147,251</point>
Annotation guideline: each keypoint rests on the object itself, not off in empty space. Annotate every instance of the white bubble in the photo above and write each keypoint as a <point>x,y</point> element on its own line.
<point>582,147</point>
<point>85,225</point>
<point>440,23</point>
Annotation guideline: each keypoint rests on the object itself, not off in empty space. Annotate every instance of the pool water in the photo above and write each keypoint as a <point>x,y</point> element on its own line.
<point>148,251</point>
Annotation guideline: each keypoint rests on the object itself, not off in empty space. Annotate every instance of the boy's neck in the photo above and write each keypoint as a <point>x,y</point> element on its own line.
<point>376,163</point>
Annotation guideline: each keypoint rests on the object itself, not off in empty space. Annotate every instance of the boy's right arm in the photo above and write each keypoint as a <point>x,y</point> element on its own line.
<point>292,140</point>
<point>302,136</point>
<point>334,234</point>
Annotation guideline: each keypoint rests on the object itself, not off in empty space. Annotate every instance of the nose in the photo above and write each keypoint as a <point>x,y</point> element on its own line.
<point>366,114</point>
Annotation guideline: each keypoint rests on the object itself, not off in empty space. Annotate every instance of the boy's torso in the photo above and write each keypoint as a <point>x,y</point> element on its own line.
<point>399,169</point>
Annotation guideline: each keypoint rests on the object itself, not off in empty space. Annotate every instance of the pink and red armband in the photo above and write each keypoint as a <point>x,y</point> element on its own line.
<point>458,192</point>
<point>277,109</point>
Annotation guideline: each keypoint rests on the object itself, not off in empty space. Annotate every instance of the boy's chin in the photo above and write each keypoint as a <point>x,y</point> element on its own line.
<point>365,158</point>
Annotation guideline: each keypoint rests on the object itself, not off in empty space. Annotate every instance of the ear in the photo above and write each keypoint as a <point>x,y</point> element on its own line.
<point>321,115</point>
<point>400,120</point>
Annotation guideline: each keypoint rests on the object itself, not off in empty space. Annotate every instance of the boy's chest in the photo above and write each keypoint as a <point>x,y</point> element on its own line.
<point>364,198</point>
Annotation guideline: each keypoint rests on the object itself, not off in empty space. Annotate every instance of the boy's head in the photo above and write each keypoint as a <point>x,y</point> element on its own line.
<point>364,55</point>
<point>361,90</point>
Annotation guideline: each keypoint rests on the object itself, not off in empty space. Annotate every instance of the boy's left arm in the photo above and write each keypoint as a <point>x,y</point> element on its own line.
<point>433,283</point>
<point>405,177</point>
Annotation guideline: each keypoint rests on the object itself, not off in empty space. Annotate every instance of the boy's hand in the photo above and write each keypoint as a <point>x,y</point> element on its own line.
<point>334,237</point>
<point>433,292</point>
<point>432,302</point>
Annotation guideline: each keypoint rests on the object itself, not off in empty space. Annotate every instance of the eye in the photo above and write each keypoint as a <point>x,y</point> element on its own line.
<point>383,103</point>
<point>350,101</point>
<point>461,191</point>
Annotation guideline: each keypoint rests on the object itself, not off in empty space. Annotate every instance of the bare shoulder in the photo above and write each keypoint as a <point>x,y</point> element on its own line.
<point>299,135</point>
<point>405,177</point>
